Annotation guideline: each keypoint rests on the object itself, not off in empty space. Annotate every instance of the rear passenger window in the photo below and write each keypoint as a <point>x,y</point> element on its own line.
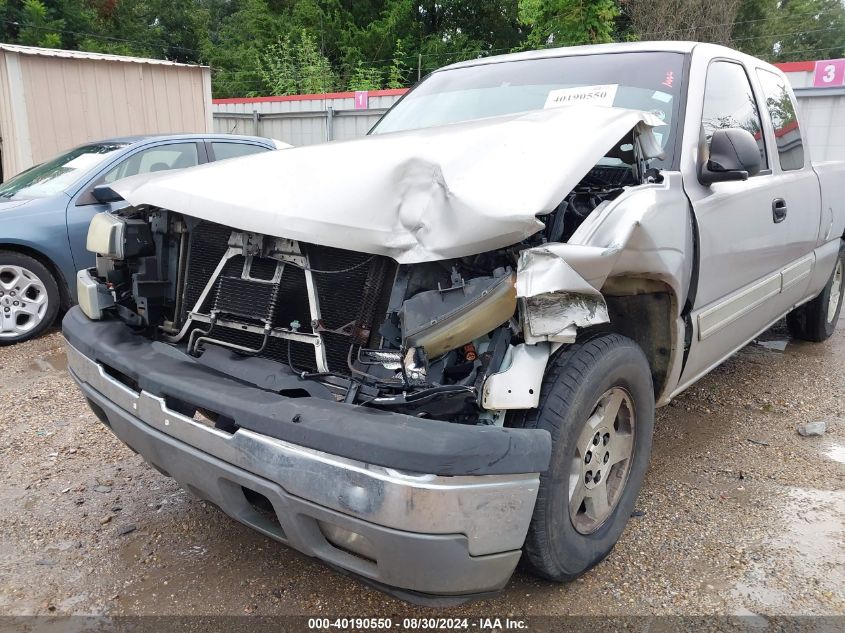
<point>729,102</point>
<point>222,151</point>
<point>781,107</point>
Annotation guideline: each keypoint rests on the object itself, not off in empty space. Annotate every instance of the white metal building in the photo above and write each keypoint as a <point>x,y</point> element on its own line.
<point>52,100</point>
<point>822,111</point>
<point>304,119</point>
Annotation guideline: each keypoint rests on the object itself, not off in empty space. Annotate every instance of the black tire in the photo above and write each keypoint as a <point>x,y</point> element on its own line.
<point>574,383</point>
<point>813,321</point>
<point>50,288</point>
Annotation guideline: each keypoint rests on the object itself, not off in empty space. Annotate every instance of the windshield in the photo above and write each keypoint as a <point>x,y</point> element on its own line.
<point>56,175</point>
<point>640,81</point>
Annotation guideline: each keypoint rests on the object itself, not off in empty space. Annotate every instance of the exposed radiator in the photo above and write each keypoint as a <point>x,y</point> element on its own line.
<point>208,243</point>
<point>351,289</point>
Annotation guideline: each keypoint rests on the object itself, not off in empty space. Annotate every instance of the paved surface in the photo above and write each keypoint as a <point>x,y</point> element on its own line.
<point>738,514</point>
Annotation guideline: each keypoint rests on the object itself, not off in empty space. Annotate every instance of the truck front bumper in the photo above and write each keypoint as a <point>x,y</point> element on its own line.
<point>429,538</point>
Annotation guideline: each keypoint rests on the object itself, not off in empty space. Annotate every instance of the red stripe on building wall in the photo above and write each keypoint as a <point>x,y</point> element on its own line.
<point>391,92</point>
<point>796,67</point>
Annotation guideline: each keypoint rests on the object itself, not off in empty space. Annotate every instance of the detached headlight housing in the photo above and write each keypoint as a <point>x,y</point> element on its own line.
<point>93,296</point>
<point>118,238</point>
<point>444,319</point>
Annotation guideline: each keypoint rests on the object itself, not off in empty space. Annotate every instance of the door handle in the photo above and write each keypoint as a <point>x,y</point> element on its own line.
<point>778,210</point>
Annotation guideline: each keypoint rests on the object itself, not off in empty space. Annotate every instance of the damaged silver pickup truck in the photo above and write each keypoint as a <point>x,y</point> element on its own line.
<point>422,355</point>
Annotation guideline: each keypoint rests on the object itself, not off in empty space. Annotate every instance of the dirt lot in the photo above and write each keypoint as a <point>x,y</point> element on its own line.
<point>739,514</point>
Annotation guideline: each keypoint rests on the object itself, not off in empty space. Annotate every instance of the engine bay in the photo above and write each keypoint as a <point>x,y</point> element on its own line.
<point>420,339</point>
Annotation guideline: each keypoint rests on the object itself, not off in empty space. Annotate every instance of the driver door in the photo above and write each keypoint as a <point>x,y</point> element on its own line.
<point>746,250</point>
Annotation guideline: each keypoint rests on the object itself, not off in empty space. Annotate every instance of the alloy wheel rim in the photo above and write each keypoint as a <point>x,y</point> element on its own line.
<point>602,461</point>
<point>835,292</point>
<point>23,301</point>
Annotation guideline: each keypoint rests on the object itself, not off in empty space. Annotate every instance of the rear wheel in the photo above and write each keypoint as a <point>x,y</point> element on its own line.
<point>816,319</point>
<point>29,298</point>
<point>597,403</point>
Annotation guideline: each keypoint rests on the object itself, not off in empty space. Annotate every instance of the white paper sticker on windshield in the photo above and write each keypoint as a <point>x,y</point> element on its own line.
<point>594,95</point>
<point>662,96</point>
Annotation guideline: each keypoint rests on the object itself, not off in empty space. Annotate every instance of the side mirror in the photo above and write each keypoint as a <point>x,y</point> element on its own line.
<point>734,155</point>
<point>105,194</point>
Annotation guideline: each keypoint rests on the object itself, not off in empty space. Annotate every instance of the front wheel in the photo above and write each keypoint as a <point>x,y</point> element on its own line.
<point>597,403</point>
<point>816,319</point>
<point>29,298</point>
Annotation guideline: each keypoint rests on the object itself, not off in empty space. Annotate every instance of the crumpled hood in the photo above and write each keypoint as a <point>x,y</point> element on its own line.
<point>414,196</point>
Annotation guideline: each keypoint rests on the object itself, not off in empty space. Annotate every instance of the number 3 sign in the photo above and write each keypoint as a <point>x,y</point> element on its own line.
<point>829,73</point>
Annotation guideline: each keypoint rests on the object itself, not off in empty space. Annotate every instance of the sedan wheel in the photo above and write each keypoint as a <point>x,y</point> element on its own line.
<point>23,301</point>
<point>29,298</point>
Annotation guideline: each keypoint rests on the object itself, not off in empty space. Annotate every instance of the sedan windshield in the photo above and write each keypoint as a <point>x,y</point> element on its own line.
<point>56,175</point>
<point>640,81</point>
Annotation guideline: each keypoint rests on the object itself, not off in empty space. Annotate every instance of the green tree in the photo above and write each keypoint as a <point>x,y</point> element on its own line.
<point>568,22</point>
<point>397,74</point>
<point>315,70</point>
<point>38,27</point>
<point>240,31</point>
<point>809,29</point>
<point>790,30</point>
<point>362,43</point>
<point>752,32</point>
<point>149,28</point>
<point>365,78</point>
<point>294,64</point>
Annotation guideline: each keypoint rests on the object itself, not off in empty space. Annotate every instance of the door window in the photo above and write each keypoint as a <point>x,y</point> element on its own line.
<point>729,103</point>
<point>161,158</point>
<point>781,107</point>
<point>223,150</point>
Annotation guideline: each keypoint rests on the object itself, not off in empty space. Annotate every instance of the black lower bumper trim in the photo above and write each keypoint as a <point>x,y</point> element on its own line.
<point>391,440</point>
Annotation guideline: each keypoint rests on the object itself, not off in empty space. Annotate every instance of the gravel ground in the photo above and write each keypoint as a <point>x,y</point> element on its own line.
<point>739,514</point>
